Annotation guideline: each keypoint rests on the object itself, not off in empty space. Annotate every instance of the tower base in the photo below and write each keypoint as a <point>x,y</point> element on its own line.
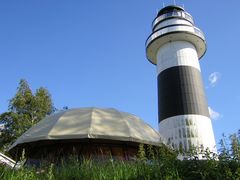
<point>187,131</point>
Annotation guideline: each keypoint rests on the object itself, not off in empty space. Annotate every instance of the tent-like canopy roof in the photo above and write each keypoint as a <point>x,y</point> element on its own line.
<point>92,123</point>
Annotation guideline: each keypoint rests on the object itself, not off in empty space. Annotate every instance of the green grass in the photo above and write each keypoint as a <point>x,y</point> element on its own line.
<point>88,169</point>
<point>163,165</point>
<point>91,170</point>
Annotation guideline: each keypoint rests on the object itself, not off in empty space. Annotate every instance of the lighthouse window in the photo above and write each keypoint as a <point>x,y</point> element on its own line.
<point>184,132</point>
<point>193,122</point>
<point>183,122</point>
<point>180,133</point>
<point>169,140</point>
<point>188,132</point>
<point>190,122</point>
<point>189,144</point>
<point>180,146</point>
<point>185,144</point>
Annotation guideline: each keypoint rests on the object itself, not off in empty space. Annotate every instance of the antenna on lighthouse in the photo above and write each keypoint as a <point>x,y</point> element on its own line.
<point>163,4</point>
<point>174,2</point>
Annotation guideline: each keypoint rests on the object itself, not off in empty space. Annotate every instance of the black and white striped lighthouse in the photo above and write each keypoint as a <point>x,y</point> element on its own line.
<point>176,46</point>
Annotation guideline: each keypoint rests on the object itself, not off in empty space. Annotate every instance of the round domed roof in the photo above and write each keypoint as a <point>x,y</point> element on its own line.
<point>170,8</point>
<point>91,123</point>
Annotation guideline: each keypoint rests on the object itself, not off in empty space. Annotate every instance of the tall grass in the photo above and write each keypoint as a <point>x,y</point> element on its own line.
<point>163,165</point>
<point>90,170</point>
<point>152,163</point>
<point>131,170</point>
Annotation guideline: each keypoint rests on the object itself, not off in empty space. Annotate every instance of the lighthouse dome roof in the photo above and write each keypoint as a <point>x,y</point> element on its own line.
<point>170,8</point>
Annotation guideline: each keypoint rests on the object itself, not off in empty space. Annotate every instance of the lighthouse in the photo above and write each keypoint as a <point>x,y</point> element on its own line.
<point>175,46</point>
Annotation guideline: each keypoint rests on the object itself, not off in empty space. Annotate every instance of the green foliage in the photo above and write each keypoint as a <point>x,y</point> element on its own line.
<point>25,109</point>
<point>230,147</point>
<point>142,153</point>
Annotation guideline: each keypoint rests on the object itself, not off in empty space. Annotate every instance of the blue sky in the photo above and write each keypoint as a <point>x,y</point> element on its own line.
<point>92,53</point>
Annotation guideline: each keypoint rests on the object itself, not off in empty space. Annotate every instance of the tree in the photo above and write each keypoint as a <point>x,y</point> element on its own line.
<point>235,145</point>
<point>25,109</point>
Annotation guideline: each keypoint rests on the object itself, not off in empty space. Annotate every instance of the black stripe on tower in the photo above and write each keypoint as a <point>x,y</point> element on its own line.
<point>180,92</point>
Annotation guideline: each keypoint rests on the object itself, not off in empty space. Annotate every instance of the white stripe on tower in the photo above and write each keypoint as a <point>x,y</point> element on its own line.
<point>177,53</point>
